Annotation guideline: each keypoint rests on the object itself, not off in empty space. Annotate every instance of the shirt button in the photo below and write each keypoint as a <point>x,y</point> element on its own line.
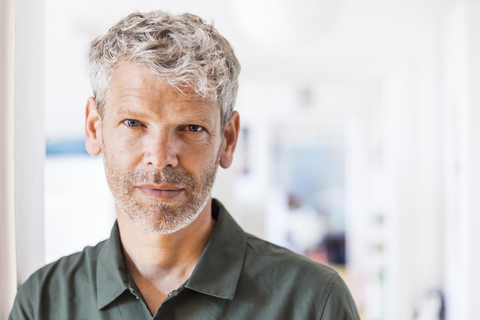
<point>137,298</point>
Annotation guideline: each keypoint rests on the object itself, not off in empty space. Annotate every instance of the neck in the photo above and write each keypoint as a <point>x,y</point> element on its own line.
<point>160,263</point>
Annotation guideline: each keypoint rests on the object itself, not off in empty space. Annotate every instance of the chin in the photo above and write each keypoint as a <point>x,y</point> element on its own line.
<point>165,220</point>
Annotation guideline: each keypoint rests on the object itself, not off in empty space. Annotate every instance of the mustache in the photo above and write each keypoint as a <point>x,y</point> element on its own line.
<point>166,175</point>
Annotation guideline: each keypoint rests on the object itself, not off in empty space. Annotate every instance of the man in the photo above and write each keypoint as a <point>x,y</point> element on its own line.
<point>162,116</point>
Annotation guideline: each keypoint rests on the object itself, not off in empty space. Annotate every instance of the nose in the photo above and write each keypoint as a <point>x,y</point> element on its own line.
<point>161,150</point>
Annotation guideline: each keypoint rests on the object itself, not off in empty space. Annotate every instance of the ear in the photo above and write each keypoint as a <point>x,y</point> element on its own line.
<point>230,136</point>
<point>93,128</point>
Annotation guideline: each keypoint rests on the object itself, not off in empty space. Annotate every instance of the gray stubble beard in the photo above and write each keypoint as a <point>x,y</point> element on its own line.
<point>158,216</point>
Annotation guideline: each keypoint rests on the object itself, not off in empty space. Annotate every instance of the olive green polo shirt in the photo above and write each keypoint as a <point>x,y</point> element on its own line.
<point>238,276</point>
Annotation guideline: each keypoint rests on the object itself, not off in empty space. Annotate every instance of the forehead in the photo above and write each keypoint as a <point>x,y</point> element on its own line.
<point>133,84</point>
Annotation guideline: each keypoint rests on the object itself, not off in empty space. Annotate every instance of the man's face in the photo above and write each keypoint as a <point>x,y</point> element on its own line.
<point>161,149</point>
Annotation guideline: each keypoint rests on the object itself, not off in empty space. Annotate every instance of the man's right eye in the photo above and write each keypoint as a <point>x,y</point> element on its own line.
<point>132,123</point>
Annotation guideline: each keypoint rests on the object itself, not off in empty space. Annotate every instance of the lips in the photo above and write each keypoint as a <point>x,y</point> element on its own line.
<point>160,192</point>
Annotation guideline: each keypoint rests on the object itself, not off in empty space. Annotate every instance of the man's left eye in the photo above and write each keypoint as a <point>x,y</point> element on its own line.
<point>194,128</point>
<point>132,123</point>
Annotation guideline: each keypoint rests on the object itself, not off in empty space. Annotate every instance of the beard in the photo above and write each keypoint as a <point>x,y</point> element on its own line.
<point>160,216</point>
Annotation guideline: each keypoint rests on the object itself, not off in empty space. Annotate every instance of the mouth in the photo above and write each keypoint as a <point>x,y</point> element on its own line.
<point>160,192</point>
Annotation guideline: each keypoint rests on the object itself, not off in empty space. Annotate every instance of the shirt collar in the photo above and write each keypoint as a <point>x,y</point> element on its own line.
<point>218,270</point>
<point>216,273</point>
<point>112,277</point>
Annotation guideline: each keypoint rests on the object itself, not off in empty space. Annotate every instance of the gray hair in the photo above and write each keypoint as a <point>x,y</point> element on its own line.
<point>184,49</point>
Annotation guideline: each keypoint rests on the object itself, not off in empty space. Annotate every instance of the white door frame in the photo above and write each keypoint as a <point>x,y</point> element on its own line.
<point>22,144</point>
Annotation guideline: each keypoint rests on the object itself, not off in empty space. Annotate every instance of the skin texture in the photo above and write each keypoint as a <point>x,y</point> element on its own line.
<point>161,150</point>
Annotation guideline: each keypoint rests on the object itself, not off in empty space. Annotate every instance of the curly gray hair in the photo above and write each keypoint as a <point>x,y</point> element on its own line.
<point>184,49</point>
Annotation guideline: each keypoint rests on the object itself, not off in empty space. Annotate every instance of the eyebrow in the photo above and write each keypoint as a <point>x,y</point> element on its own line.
<point>131,111</point>
<point>140,114</point>
<point>200,119</point>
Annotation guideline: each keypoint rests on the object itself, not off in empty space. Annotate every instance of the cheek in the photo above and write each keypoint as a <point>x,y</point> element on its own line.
<point>199,156</point>
<point>123,150</point>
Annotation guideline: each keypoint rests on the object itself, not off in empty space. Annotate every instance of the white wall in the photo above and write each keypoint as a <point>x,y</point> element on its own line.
<point>461,118</point>
<point>29,135</point>
<point>8,274</point>
<point>21,144</point>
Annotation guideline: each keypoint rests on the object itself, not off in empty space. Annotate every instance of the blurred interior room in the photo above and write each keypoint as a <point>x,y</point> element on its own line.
<point>357,147</point>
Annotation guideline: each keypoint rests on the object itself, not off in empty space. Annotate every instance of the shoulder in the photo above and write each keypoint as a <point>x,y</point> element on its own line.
<point>275,259</point>
<point>298,279</point>
<point>55,279</point>
<point>339,304</point>
<point>79,266</point>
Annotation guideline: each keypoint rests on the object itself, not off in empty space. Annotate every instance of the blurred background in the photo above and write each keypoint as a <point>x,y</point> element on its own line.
<point>357,148</point>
